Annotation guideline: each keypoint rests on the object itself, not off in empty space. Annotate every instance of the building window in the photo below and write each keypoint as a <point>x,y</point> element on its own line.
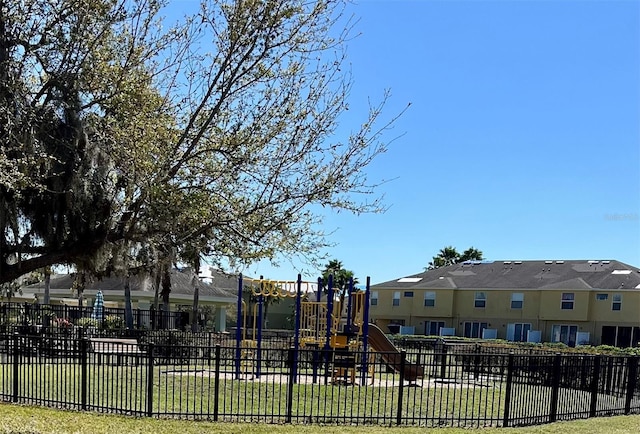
<point>430,299</point>
<point>517,300</point>
<point>518,331</point>
<point>432,328</point>
<point>408,294</point>
<point>617,302</point>
<point>396,298</point>
<point>480,300</point>
<point>602,297</point>
<point>374,298</point>
<point>473,329</point>
<point>564,333</point>
<point>567,300</point>
<point>620,336</point>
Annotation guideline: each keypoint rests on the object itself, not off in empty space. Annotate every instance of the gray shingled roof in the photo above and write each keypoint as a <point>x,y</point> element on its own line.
<point>574,274</point>
<point>223,285</point>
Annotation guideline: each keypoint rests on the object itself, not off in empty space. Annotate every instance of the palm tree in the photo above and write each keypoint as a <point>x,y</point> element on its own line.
<point>471,254</point>
<point>341,279</point>
<point>446,256</point>
<point>449,256</point>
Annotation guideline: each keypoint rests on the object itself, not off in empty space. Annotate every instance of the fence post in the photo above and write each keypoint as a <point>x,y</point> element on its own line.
<point>403,359</point>
<point>595,382</point>
<point>216,384</point>
<point>507,392</point>
<point>443,361</point>
<point>209,345</point>
<point>632,378</point>
<point>150,380</point>
<point>84,349</point>
<point>609,375</point>
<point>16,363</point>
<point>292,377</point>
<point>476,363</point>
<point>555,387</point>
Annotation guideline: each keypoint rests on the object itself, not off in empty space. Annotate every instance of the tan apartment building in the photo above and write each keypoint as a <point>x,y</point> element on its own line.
<point>575,302</point>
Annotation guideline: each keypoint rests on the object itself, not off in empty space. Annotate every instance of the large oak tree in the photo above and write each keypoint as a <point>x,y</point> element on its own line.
<point>129,140</point>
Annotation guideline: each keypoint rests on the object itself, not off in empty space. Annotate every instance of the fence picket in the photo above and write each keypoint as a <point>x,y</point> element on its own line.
<point>186,379</point>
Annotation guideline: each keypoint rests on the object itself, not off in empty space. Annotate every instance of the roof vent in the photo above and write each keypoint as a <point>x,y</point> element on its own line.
<point>518,262</point>
<point>507,262</point>
<point>548,262</point>
<point>559,262</point>
<point>593,262</point>
<point>606,262</point>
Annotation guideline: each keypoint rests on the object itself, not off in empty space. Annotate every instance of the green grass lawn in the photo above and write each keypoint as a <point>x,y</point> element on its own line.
<point>31,420</point>
<point>191,393</point>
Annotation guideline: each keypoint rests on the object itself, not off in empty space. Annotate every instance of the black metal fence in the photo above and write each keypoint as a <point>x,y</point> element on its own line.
<point>203,379</point>
<point>30,317</point>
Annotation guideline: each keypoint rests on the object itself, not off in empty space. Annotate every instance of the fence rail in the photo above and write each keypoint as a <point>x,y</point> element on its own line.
<point>277,383</point>
<point>30,316</point>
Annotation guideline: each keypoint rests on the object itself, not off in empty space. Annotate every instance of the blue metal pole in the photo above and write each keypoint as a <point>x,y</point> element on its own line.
<point>349,305</point>
<point>296,338</point>
<point>316,351</point>
<point>239,327</point>
<point>319,291</point>
<point>329,312</point>
<point>365,331</point>
<point>259,346</point>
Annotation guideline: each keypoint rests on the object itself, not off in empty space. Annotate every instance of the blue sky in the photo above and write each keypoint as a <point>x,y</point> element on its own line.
<point>522,139</point>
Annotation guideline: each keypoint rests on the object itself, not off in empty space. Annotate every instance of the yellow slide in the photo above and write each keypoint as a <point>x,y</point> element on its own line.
<point>391,355</point>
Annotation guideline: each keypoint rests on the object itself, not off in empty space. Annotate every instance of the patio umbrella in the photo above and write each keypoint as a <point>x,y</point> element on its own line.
<point>98,307</point>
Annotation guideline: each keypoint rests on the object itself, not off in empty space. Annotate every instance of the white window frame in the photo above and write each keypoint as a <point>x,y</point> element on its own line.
<point>481,325</point>
<point>517,297</point>
<point>396,299</point>
<point>511,331</point>
<point>569,298</point>
<point>438,324</point>
<point>429,296</point>
<point>373,300</point>
<point>480,298</point>
<point>616,302</point>
<point>555,336</point>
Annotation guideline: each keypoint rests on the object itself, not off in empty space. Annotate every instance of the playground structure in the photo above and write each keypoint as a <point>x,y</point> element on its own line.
<point>344,344</point>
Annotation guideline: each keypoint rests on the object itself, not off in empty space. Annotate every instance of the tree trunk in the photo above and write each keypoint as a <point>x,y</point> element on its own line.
<point>47,285</point>
<point>128,310</point>
<point>157,279</point>
<point>80,291</point>
<point>194,310</point>
<point>166,291</point>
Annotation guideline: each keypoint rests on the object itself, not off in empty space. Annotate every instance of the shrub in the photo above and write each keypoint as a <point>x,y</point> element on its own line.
<point>112,322</point>
<point>88,322</point>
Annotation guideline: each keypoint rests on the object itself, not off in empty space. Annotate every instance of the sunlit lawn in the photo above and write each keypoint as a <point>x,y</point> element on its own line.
<point>23,419</point>
<point>192,392</point>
